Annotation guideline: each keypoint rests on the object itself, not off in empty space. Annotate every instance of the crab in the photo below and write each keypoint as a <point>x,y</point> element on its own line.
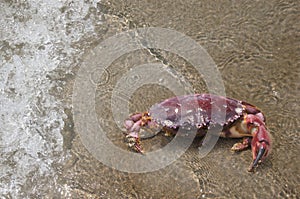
<point>194,111</point>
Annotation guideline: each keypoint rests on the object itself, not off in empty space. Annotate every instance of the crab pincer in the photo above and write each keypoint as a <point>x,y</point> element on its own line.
<point>261,140</point>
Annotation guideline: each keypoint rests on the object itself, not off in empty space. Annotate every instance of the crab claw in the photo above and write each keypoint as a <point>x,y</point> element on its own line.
<point>133,126</point>
<point>260,150</point>
<point>261,141</point>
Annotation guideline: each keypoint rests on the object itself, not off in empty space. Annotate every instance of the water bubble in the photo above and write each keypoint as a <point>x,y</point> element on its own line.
<point>100,77</point>
<point>161,80</point>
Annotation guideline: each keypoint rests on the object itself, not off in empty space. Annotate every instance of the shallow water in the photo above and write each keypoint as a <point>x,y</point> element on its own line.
<point>255,45</point>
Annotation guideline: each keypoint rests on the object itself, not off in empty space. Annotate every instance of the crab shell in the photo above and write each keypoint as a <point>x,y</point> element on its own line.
<point>200,111</point>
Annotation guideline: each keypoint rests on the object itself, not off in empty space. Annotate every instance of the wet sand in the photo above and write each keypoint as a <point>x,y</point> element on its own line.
<point>255,45</point>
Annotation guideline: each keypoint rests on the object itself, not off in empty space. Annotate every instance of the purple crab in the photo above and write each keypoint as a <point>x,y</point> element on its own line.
<point>195,112</point>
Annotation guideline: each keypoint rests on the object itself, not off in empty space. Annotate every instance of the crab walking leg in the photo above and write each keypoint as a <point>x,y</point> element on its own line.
<point>240,146</point>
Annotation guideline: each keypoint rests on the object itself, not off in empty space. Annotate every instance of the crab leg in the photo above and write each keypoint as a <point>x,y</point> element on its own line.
<point>242,145</point>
